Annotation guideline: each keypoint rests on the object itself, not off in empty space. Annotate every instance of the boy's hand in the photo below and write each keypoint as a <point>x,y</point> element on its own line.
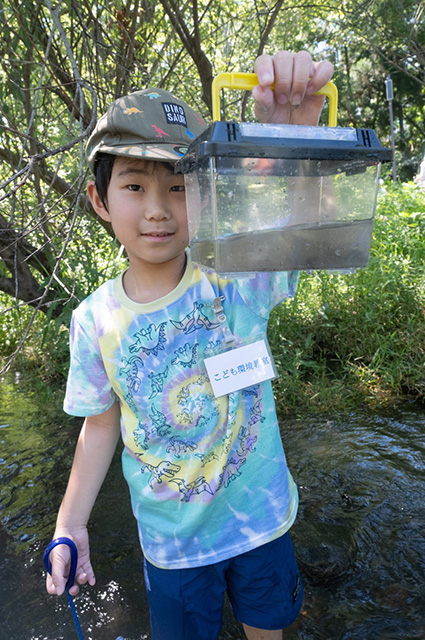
<point>297,78</point>
<point>60,559</point>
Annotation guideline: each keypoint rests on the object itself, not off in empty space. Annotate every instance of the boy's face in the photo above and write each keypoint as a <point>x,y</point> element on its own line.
<point>147,209</point>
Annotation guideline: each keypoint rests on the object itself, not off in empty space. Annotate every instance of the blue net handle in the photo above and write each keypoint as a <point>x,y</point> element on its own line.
<point>74,558</point>
<point>72,569</point>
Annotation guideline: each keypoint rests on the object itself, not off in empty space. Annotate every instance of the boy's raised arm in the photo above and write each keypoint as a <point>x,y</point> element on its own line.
<point>297,78</point>
<point>95,449</point>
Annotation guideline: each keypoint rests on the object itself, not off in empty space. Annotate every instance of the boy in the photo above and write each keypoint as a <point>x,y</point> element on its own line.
<point>208,479</point>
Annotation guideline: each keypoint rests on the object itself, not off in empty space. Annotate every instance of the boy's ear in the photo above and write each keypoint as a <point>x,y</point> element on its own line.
<point>97,203</point>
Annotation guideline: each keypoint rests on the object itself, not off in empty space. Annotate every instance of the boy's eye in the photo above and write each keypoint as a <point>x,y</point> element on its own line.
<point>178,187</point>
<point>134,187</point>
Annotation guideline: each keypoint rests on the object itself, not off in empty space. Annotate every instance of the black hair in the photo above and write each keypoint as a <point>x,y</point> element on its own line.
<point>103,166</point>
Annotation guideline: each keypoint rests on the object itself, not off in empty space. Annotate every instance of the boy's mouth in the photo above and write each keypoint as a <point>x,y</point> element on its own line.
<point>157,234</point>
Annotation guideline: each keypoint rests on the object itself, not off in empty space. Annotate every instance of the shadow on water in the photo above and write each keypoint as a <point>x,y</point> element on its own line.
<point>358,537</point>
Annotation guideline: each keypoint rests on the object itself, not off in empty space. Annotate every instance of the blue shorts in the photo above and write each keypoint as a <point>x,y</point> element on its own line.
<point>263,586</point>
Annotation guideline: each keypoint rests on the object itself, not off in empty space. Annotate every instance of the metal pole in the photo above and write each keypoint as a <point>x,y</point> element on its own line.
<point>390,95</point>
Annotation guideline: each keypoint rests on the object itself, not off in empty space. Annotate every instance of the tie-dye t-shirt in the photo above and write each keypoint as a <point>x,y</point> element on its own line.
<point>208,477</point>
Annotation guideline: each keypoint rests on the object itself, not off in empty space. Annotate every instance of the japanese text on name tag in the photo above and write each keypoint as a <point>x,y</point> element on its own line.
<point>240,368</point>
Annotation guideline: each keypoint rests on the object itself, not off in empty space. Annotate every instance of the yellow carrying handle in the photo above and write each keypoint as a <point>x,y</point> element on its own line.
<point>247,81</point>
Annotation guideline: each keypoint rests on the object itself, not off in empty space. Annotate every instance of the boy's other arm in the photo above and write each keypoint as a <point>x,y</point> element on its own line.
<point>297,77</point>
<point>93,455</point>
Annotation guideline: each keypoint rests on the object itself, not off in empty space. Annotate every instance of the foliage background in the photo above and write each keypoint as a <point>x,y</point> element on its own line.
<point>345,338</point>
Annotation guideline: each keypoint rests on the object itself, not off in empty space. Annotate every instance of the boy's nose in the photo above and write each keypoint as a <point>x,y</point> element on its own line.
<point>156,208</point>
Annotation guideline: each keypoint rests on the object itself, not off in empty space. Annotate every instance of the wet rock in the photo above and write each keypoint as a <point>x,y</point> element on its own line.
<point>324,552</point>
<point>348,503</point>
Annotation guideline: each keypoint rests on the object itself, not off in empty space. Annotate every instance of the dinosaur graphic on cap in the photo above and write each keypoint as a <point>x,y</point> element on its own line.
<point>131,110</point>
<point>160,132</point>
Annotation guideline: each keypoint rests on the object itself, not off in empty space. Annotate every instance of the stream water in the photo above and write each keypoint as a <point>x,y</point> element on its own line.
<point>359,536</point>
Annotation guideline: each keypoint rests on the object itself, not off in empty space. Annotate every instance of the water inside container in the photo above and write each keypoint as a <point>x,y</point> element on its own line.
<point>334,245</point>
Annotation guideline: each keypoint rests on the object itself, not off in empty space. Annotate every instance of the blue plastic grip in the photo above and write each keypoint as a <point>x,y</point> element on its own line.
<point>72,569</point>
<point>74,558</point>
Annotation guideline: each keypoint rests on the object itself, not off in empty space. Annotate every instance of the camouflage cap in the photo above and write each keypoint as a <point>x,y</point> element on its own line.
<point>151,124</point>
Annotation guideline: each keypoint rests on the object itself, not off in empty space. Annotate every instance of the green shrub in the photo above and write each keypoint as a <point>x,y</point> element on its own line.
<point>360,337</point>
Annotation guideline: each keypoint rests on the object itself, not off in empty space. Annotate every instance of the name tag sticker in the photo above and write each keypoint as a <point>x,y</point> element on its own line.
<point>240,368</point>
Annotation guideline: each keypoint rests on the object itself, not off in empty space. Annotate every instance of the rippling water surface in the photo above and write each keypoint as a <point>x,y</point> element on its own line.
<point>359,536</point>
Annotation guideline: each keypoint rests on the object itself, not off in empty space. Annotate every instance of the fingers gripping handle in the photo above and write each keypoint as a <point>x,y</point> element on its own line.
<point>71,577</point>
<point>247,81</point>
<point>74,558</point>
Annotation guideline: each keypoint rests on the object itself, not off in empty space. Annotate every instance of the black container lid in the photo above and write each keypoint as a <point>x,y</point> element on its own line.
<point>260,140</point>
